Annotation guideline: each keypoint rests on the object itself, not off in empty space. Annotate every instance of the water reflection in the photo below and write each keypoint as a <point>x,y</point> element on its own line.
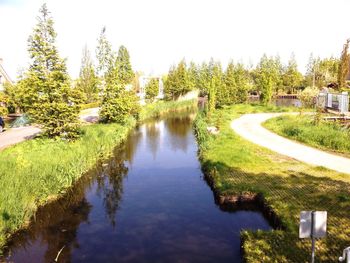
<point>110,187</point>
<point>153,137</point>
<point>179,128</point>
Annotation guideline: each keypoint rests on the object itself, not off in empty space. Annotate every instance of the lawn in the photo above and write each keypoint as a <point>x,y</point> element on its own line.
<point>238,167</point>
<point>37,171</point>
<point>329,136</point>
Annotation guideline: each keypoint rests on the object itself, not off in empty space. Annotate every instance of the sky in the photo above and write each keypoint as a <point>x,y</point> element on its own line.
<point>159,33</point>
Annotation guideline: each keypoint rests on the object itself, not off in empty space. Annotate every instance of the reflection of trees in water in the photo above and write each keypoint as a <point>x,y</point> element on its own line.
<point>57,223</point>
<point>110,187</point>
<point>56,226</point>
<point>130,146</point>
<point>179,127</point>
<point>153,137</point>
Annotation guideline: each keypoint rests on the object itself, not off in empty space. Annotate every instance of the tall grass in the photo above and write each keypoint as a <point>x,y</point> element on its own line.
<point>157,109</point>
<point>325,135</point>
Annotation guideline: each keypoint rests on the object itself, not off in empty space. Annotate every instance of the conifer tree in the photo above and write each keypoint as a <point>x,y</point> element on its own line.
<point>267,77</point>
<point>125,73</point>
<point>230,83</point>
<point>118,104</point>
<point>49,99</point>
<point>152,89</point>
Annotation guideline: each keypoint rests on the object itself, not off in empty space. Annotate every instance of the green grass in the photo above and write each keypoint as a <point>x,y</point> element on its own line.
<point>237,167</point>
<point>326,135</point>
<point>157,109</point>
<point>37,171</point>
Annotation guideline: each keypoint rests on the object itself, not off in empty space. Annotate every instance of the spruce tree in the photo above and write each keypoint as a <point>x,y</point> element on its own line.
<point>230,83</point>
<point>50,101</point>
<point>125,73</point>
<point>118,104</point>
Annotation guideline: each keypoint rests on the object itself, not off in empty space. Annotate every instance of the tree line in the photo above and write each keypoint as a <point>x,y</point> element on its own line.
<point>270,76</point>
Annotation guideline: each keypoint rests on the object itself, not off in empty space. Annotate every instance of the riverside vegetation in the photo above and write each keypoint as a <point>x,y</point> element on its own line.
<point>237,167</point>
<point>329,136</point>
<point>37,171</point>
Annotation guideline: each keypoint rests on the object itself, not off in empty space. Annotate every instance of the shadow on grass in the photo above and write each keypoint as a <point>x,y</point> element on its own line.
<point>281,197</point>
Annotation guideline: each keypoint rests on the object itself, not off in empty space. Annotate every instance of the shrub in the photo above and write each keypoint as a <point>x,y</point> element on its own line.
<point>308,97</point>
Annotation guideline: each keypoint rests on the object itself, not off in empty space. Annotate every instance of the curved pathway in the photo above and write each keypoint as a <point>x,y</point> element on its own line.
<point>249,127</point>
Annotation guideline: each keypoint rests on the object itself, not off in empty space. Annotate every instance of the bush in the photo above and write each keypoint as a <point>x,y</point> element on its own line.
<point>308,97</point>
<point>120,108</point>
<point>3,111</point>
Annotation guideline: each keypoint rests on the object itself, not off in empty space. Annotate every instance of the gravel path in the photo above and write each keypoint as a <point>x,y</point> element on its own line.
<point>16,135</point>
<point>249,127</point>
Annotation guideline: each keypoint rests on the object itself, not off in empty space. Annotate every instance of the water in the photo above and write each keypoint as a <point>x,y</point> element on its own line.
<point>149,204</point>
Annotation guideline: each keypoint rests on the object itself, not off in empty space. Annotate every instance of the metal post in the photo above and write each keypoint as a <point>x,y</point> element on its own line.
<point>312,237</point>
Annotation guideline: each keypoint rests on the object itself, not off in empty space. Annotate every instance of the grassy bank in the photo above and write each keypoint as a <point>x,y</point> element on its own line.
<point>326,135</point>
<point>37,171</point>
<point>238,167</point>
<point>157,109</point>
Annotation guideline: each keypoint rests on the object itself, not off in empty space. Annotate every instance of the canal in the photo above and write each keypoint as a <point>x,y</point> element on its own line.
<point>149,203</point>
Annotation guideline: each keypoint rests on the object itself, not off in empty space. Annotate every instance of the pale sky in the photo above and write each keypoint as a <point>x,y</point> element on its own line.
<point>159,33</point>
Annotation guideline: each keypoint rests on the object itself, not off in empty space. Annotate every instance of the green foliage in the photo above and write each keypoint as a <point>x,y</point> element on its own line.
<point>123,67</point>
<point>3,111</point>
<point>118,105</point>
<point>308,97</point>
<point>88,82</point>
<point>292,78</point>
<point>3,99</point>
<point>152,89</point>
<point>323,135</point>
<point>344,65</point>
<point>178,81</point>
<point>268,77</point>
<point>204,77</point>
<point>47,95</point>
<point>89,105</point>
<point>216,88</point>
<point>321,72</point>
